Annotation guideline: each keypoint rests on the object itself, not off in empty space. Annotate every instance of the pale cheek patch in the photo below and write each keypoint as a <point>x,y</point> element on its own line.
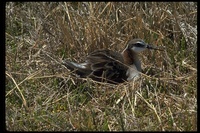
<point>137,49</point>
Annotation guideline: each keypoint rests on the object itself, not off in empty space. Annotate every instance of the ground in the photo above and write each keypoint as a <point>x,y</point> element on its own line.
<point>43,95</point>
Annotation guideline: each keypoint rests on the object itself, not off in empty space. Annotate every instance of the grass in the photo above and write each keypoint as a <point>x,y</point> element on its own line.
<point>42,95</point>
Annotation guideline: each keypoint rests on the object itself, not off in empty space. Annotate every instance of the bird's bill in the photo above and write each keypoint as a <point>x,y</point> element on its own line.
<point>154,47</point>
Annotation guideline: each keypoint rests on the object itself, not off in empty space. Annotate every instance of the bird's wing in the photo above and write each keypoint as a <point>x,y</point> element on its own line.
<point>107,65</point>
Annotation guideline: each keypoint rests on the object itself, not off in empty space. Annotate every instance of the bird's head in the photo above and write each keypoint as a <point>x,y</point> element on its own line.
<point>138,45</point>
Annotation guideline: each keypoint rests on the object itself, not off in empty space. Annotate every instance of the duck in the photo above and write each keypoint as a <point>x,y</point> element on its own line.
<point>111,66</point>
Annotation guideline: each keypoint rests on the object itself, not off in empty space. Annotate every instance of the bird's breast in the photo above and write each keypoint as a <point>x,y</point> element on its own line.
<point>132,72</point>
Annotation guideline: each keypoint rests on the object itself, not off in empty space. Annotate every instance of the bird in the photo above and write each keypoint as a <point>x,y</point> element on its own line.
<point>111,66</point>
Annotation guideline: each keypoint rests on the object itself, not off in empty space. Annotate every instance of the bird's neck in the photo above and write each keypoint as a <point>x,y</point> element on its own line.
<point>131,58</point>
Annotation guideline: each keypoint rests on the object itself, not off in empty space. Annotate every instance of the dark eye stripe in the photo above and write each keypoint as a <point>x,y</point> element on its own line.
<point>139,44</point>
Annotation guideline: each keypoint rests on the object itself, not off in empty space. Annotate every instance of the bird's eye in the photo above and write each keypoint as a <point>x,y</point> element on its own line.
<point>139,45</point>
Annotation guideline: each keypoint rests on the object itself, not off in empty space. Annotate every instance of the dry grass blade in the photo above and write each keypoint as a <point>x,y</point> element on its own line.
<point>31,76</point>
<point>16,85</point>
<point>152,107</point>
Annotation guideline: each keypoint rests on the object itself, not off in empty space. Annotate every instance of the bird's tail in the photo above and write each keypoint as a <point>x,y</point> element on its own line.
<point>79,68</point>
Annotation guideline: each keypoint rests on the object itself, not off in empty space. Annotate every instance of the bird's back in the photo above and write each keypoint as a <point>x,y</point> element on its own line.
<point>102,65</point>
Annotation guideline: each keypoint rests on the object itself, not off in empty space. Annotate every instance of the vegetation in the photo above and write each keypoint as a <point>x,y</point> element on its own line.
<point>43,95</point>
